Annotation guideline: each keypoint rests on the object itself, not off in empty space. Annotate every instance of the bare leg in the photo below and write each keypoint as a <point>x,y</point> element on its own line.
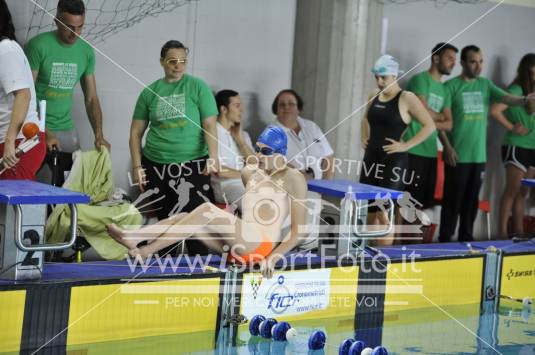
<point>383,222</point>
<point>519,204</point>
<point>397,238</point>
<point>131,238</point>
<point>206,219</point>
<point>377,221</point>
<point>512,188</point>
<point>213,244</point>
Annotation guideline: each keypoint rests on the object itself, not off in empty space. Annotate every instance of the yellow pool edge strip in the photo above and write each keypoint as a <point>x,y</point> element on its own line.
<point>435,283</point>
<point>105,313</point>
<point>12,304</point>
<point>518,276</point>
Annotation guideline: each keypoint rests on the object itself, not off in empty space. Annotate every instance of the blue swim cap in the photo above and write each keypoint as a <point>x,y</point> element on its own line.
<point>275,138</point>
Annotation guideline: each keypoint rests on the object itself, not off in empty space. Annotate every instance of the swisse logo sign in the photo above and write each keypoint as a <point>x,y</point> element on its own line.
<point>520,273</point>
<point>291,293</point>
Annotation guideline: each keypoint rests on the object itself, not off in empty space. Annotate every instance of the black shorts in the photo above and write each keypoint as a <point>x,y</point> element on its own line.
<point>522,158</point>
<point>176,187</point>
<point>424,179</point>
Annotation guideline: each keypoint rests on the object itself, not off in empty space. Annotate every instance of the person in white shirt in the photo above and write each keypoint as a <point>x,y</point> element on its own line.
<point>234,146</point>
<point>17,104</point>
<point>309,152</point>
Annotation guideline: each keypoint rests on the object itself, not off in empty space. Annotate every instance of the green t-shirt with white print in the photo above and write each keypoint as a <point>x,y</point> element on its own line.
<point>437,99</point>
<point>175,112</point>
<point>60,68</point>
<point>470,100</point>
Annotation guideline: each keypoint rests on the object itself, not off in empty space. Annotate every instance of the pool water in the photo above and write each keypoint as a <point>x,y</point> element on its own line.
<point>455,330</point>
<point>451,330</point>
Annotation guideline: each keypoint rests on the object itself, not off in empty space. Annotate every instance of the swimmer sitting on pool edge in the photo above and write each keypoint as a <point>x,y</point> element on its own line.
<point>273,190</point>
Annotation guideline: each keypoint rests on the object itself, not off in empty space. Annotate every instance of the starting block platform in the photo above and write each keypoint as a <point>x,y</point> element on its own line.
<point>23,206</point>
<point>354,190</point>
<point>354,204</point>
<point>25,192</point>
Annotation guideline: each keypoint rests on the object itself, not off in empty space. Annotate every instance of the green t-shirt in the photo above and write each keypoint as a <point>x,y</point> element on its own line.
<point>437,99</point>
<point>518,114</point>
<point>175,130</point>
<point>60,68</point>
<point>469,107</point>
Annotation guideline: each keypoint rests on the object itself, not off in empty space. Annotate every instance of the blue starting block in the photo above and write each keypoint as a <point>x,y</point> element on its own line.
<point>22,226</point>
<point>353,207</point>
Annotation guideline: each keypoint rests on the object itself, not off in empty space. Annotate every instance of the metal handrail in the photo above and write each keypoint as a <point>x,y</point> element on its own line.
<point>362,233</point>
<point>44,247</point>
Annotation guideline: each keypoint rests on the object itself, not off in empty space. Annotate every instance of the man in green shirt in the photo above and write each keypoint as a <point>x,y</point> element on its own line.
<point>465,147</point>
<point>430,90</point>
<point>59,60</point>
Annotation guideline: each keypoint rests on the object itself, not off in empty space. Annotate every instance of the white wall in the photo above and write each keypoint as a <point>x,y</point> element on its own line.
<point>505,35</point>
<point>245,45</point>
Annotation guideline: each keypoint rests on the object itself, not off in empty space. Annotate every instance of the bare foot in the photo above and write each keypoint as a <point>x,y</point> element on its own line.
<point>139,251</point>
<point>120,236</point>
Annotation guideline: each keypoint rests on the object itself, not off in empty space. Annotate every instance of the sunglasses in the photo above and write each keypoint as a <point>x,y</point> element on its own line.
<point>175,61</point>
<point>267,151</point>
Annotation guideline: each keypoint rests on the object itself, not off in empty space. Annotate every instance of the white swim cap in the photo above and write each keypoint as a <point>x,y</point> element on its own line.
<point>386,65</point>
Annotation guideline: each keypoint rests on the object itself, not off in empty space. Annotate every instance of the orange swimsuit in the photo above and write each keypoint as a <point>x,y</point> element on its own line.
<point>264,249</point>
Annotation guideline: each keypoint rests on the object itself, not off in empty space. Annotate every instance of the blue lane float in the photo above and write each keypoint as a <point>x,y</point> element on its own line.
<point>317,340</point>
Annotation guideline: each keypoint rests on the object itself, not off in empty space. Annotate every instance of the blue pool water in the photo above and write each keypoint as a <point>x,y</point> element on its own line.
<point>453,330</point>
<point>425,331</point>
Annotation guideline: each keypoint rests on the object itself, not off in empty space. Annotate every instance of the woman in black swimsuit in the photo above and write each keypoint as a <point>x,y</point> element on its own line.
<point>389,111</point>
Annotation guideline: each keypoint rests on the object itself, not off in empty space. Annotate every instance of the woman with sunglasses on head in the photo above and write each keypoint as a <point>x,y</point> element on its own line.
<point>17,105</point>
<point>180,150</point>
<point>387,116</point>
<point>273,191</point>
